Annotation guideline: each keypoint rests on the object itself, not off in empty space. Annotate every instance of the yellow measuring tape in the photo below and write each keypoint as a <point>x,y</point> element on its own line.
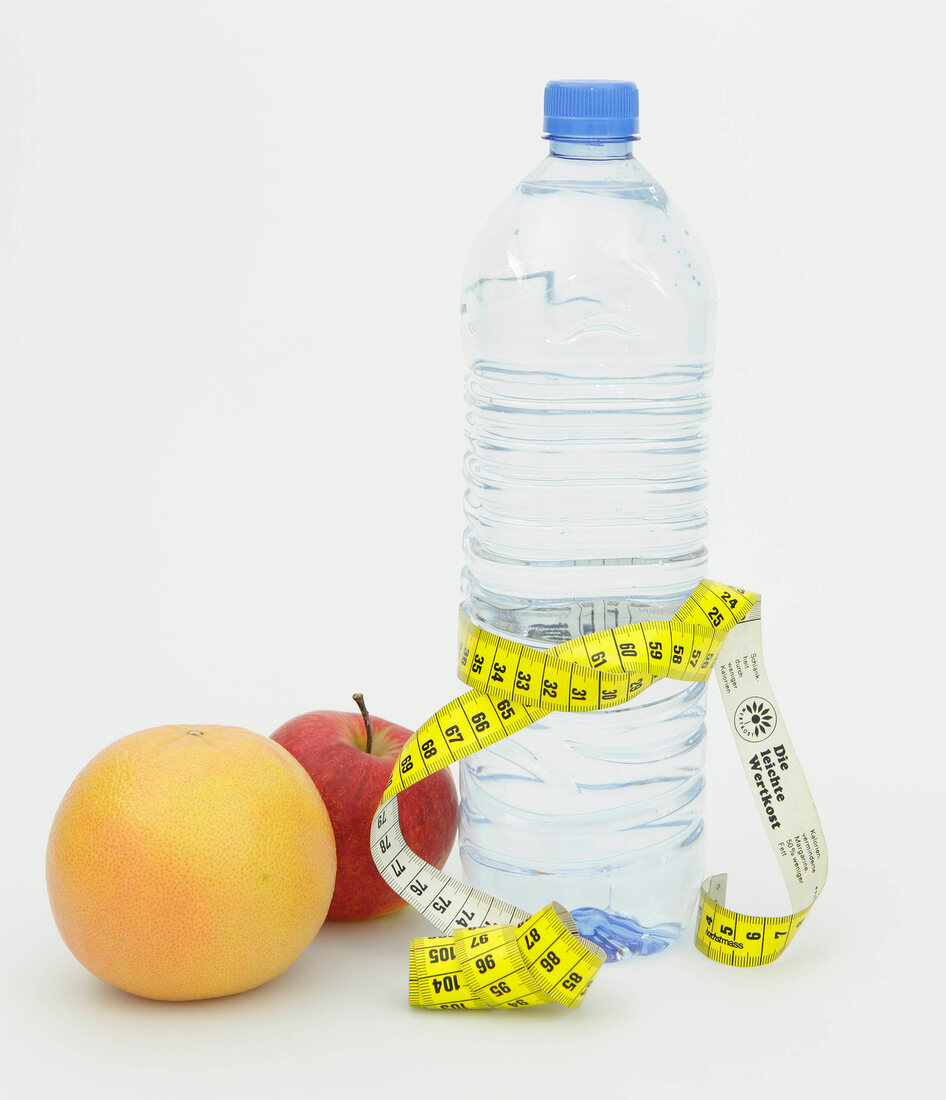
<point>494,955</point>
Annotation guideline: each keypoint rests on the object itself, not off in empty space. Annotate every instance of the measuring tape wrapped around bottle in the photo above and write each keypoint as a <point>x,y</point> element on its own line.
<point>493,955</point>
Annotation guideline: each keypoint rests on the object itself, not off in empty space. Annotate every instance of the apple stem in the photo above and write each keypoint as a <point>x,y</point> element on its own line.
<point>360,700</point>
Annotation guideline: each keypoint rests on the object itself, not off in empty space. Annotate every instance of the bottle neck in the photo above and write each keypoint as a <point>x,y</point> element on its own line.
<point>591,150</point>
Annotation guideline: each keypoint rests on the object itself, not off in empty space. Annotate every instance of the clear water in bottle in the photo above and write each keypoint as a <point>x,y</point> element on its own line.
<point>587,321</point>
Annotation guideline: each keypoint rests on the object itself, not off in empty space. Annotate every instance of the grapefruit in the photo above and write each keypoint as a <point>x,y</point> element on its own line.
<point>190,861</point>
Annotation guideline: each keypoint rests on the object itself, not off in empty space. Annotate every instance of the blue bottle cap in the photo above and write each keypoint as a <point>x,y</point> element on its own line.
<point>591,110</point>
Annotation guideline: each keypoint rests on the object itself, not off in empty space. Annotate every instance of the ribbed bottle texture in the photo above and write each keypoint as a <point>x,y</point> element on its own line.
<point>588,326</point>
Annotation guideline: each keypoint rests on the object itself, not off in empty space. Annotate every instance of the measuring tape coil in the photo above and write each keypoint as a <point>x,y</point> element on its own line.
<point>489,954</point>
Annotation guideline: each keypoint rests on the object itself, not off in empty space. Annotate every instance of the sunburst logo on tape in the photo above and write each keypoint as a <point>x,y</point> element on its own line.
<point>756,720</point>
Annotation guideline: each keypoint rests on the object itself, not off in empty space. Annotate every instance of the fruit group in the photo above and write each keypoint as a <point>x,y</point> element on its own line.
<point>350,758</point>
<point>190,861</point>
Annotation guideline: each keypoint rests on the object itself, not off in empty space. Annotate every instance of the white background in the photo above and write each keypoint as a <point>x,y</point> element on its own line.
<point>231,439</point>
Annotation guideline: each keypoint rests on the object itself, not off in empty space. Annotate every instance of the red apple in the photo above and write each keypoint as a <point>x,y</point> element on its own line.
<point>350,758</point>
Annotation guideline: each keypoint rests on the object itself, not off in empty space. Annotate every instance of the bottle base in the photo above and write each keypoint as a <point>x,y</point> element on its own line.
<point>641,909</point>
<point>622,937</point>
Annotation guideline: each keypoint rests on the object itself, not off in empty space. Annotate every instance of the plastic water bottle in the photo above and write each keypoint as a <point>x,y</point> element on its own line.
<point>587,321</point>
